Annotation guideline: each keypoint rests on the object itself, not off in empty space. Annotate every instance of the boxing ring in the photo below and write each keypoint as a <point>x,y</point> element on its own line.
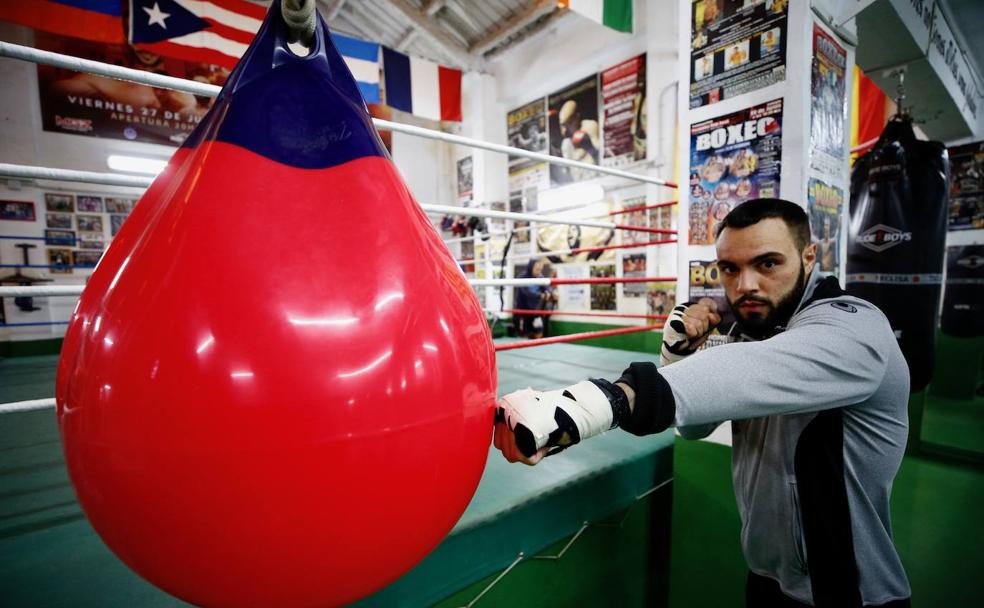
<point>604,506</point>
<point>588,527</point>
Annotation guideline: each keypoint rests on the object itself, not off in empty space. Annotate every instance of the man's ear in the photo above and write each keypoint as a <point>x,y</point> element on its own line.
<point>809,257</point>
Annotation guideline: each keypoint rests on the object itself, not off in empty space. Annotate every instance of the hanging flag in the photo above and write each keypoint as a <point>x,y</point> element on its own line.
<point>870,109</point>
<point>362,59</point>
<point>616,14</point>
<point>219,31</point>
<point>421,87</point>
<point>95,20</point>
<point>201,31</point>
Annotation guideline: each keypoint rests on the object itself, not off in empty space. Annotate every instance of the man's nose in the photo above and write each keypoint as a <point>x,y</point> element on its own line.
<point>747,282</point>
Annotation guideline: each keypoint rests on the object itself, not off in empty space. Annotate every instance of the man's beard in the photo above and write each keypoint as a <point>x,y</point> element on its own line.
<point>760,326</point>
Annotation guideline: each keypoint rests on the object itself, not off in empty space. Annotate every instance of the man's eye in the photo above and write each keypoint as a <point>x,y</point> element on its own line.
<point>769,264</point>
<point>727,269</point>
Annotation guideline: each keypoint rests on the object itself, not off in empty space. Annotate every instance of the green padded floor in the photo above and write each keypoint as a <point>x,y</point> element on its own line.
<point>50,556</point>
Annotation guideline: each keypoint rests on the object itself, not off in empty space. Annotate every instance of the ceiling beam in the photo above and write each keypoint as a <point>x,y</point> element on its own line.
<point>431,7</point>
<point>406,40</point>
<point>430,30</point>
<point>514,25</point>
<point>550,20</point>
<point>331,9</point>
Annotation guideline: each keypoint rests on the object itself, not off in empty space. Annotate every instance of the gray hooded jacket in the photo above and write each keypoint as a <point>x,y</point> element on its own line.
<point>819,413</point>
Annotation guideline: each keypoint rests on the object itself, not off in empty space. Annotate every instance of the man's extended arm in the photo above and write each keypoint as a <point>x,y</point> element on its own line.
<point>831,357</point>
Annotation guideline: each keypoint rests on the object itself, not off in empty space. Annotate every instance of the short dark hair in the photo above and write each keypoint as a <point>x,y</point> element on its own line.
<point>758,209</point>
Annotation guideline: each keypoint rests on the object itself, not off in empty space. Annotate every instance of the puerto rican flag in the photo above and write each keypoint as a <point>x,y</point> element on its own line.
<point>220,31</point>
<point>200,31</point>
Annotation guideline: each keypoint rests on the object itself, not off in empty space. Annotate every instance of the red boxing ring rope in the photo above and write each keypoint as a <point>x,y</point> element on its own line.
<point>574,313</point>
<point>574,337</point>
<point>643,208</point>
<point>606,280</point>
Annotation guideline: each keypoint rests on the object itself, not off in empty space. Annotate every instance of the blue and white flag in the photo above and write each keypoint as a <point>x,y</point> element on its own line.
<point>362,59</point>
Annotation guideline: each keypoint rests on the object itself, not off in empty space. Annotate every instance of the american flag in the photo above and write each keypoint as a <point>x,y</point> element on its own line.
<point>202,31</point>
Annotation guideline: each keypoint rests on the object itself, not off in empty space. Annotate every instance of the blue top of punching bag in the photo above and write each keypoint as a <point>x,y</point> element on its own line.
<point>306,112</point>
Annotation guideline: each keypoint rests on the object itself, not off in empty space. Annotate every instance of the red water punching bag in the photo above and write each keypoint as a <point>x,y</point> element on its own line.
<point>277,387</point>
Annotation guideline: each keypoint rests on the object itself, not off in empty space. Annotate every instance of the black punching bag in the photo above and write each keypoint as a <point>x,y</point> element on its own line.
<point>897,237</point>
<point>963,300</point>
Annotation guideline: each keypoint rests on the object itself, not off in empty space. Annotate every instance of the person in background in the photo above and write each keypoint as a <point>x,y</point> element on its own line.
<point>529,297</point>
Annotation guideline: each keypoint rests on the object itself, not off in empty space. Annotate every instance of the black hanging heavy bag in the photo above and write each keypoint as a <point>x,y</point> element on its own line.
<point>897,237</point>
<point>963,299</point>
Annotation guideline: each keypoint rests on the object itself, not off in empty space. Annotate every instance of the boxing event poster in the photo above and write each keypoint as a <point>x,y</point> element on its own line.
<point>737,46</point>
<point>623,92</point>
<point>733,158</point>
<point>574,129</point>
<point>967,186</point>
<point>824,205</point>
<point>634,218</point>
<point>705,282</point>
<point>85,104</point>
<point>660,300</point>
<point>527,129</point>
<point>634,265</point>
<point>465,167</point>
<point>603,295</point>
<point>829,103</point>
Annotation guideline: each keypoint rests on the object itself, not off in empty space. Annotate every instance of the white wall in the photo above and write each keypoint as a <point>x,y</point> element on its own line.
<point>572,48</point>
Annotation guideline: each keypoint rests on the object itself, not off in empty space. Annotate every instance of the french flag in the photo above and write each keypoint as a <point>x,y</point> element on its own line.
<point>420,87</point>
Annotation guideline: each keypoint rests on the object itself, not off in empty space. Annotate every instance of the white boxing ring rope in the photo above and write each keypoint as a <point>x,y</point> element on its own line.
<point>115,179</point>
<point>26,53</point>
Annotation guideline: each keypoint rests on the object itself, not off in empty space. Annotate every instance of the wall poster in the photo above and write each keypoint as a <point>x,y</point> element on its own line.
<point>623,92</point>
<point>527,129</point>
<point>824,206</point>
<point>733,158</point>
<point>465,180</point>
<point>85,104</point>
<point>967,186</point>
<point>828,107</point>
<point>737,46</point>
<point>574,130</point>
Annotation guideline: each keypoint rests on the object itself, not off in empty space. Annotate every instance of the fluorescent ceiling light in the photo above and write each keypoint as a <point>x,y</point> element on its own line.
<point>136,164</point>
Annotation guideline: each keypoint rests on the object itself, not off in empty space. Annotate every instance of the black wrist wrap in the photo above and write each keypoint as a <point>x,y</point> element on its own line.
<point>617,398</point>
<point>654,404</point>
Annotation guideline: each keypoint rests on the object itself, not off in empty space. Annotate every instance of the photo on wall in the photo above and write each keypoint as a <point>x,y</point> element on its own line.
<point>63,221</point>
<point>660,300</point>
<point>90,223</point>
<point>118,205</point>
<point>87,259</point>
<point>633,266</point>
<point>574,130</point>
<point>89,204</point>
<point>603,295</point>
<point>61,203</point>
<point>59,237</point>
<point>17,211</point>
<point>60,261</point>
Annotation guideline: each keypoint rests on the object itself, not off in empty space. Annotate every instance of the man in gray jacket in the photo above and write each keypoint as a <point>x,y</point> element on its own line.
<point>817,389</point>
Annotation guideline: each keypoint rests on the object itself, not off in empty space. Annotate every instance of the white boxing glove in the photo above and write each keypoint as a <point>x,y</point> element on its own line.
<point>560,418</point>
